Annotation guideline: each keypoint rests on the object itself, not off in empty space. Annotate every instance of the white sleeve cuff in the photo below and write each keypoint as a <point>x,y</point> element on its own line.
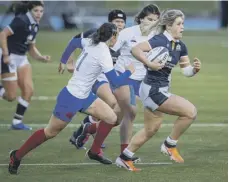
<point>10,29</point>
<point>188,71</point>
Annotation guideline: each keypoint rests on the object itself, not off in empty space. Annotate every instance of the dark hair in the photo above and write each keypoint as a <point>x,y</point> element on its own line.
<point>24,6</point>
<point>104,33</point>
<point>150,9</point>
<point>116,13</point>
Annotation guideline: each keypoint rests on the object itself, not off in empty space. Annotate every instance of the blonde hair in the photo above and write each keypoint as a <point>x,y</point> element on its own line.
<point>167,18</point>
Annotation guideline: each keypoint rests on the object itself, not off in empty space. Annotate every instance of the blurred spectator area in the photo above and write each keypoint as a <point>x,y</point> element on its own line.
<point>86,14</point>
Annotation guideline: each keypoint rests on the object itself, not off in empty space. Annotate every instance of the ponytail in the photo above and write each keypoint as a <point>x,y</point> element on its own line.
<point>95,38</point>
<point>21,8</point>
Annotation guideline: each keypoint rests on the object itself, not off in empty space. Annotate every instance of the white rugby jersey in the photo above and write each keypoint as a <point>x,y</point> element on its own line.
<point>90,64</point>
<point>128,38</point>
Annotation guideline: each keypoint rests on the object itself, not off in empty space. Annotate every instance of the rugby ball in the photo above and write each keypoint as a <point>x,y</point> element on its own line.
<point>159,54</point>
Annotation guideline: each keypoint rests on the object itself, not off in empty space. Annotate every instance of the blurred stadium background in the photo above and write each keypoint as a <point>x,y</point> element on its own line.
<point>204,145</point>
<point>80,14</point>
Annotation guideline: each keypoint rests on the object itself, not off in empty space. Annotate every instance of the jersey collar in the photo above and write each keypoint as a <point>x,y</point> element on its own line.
<point>168,36</point>
<point>31,19</point>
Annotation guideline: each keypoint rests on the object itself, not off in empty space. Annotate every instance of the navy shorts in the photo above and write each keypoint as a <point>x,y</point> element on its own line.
<point>136,85</point>
<point>68,105</point>
<point>96,85</point>
<point>152,96</point>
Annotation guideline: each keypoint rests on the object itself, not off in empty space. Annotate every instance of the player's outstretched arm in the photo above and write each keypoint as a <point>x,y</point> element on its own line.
<point>72,45</point>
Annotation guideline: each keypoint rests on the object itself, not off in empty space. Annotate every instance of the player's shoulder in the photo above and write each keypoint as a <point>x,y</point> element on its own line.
<point>131,29</point>
<point>182,43</point>
<point>104,47</point>
<point>85,42</point>
<point>22,18</point>
<point>128,32</point>
<point>89,32</point>
<point>103,50</point>
<point>183,47</point>
<point>86,34</point>
<point>159,38</point>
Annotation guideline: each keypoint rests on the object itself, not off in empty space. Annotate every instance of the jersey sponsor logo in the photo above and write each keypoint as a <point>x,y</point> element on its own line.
<point>36,29</point>
<point>178,47</point>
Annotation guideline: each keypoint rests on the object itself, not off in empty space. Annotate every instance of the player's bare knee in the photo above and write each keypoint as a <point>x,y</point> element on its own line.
<point>50,133</point>
<point>132,113</point>
<point>111,119</point>
<point>112,103</point>
<point>152,131</point>
<point>11,96</point>
<point>117,110</point>
<point>27,93</point>
<point>192,113</point>
<point>152,128</point>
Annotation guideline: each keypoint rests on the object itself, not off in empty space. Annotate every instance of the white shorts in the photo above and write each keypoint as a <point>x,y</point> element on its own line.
<point>16,61</point>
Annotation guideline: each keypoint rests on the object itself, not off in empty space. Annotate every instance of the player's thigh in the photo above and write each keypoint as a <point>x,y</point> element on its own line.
<point>102,110</point>
<point>10,87</point>
<point>9,77</point>
<point>25,81</point>
<point>179,106</point>
<point>105,93</point>
<point>126,98</point>
<point>123,95</point>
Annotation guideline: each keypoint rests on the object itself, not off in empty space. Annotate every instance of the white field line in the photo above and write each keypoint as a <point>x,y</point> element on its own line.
<point>42,98</point>
<point>86,164</point>
<point>135,125</point>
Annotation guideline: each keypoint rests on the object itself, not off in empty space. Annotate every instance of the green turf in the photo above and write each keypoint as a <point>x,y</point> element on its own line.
<point>208,90</point>
<point>204,149</point>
